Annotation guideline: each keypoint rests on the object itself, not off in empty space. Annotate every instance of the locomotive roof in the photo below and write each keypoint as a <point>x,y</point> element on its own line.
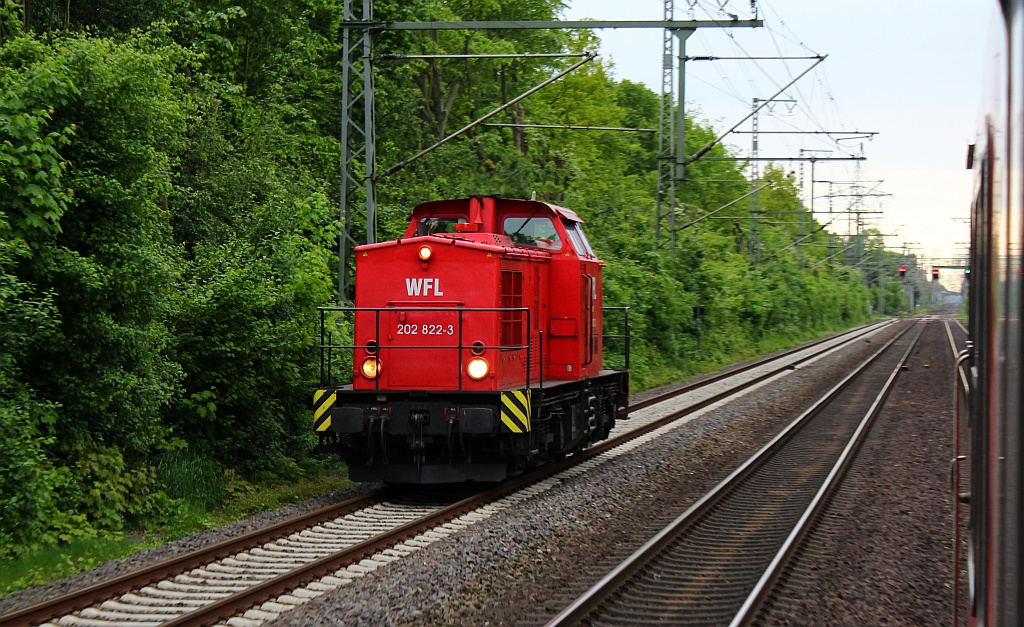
<point>480,224</point>
<point>462,205</point>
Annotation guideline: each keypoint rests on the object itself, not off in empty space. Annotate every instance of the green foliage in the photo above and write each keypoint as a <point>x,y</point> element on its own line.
<point>245,338</point>
<point>259,232</point>
<point>11,25</point>
<point>31,168</point>
<point>108,492</point>
<point>248,499</point>
<point>97,273</point>
<point>168,226</point>
<point>46,564</point>
<point>112,266</point>
<point>52,563</point>
<point>31,513</point>
<point>193,478</point>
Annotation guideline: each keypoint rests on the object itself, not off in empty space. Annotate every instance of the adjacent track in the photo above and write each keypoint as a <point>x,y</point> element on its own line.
<point>720,555</point>
<point>778,598</point>
<point>261,574</point>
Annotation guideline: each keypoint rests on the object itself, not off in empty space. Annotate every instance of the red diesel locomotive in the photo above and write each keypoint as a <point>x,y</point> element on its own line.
<point>477,347</point>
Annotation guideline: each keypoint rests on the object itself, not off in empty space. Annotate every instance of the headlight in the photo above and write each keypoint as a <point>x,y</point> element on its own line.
<point>371,368</point>
<point>477,368</point>
<point>425,253</point>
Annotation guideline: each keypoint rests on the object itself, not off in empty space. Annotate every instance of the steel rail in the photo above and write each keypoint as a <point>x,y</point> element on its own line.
<point>66,604</point>
<point>962,327</point>
<point>764,586</point>
<point>585,605</point>
<point>267,590</point>
<point>850,334</point>
<point>262,592</point>
<point>961,375</point>
<point>87,597</point>
<point>961,390</point>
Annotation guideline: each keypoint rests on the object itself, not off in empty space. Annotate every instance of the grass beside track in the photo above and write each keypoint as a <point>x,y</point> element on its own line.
<point>53,563</point>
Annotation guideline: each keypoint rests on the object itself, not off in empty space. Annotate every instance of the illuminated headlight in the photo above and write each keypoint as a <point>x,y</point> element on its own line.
<point>477,368</point>
<point>371,368</point>
<point>425,253</point>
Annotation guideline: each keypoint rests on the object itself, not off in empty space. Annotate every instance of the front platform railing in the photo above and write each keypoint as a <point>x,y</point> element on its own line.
<point>337,344</point>
<point>336,358</point>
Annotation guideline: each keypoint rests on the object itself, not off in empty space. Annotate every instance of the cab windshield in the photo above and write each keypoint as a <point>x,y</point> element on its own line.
<point>533,232</point>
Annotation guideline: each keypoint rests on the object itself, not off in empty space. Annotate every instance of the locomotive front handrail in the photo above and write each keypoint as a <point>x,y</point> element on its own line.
<point>327,345</point>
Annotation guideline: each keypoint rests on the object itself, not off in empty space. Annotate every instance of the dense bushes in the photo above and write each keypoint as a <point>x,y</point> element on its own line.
<point>160,277</point>
<point>30,482</point>
<point>168,225</point>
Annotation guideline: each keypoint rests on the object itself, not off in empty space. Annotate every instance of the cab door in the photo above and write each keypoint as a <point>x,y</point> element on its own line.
<point>591,330</point>
<point>591,344</point>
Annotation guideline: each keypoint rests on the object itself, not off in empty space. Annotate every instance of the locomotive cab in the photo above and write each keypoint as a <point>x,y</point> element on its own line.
<point>477,346</point>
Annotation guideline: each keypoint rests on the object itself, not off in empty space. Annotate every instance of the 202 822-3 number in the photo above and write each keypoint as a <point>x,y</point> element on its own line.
<point>426,329</point>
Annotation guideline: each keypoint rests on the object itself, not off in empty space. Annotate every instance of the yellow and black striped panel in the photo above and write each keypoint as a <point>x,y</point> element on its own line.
<point>515,411</point>
<point>322,404</point>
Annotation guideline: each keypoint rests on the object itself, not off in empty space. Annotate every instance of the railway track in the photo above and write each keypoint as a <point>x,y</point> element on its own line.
<point>258,576</point>
<point>780,599</point>
<point>714,563</point>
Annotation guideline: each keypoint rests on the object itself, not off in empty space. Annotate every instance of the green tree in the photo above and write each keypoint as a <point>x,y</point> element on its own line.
<point>104,259</point>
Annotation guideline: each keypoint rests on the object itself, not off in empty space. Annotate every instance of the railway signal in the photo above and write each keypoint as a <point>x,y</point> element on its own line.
<point>903,271</point>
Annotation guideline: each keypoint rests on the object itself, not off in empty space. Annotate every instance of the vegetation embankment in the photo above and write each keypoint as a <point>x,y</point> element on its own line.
<point>168,224</point>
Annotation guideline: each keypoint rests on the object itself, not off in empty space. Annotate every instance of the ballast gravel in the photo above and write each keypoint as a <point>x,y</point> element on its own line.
<point>523,565</point>
<point>883,553</point>
<point>115,568</point>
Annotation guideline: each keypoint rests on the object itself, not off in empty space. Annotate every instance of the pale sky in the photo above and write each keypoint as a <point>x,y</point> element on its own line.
<point>910,70</point>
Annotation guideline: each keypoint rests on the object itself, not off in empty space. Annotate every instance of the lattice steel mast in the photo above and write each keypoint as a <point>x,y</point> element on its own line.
<point>358,141</point>
<point>359,173</point>
<point>666,129</point>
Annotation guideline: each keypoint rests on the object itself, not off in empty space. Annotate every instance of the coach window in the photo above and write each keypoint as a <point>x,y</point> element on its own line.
<point>533,232</point>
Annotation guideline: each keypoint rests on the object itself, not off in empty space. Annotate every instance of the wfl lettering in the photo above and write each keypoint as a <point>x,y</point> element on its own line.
<point>417,287</point>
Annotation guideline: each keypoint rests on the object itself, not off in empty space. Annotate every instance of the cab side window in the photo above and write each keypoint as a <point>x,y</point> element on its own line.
<point>579,240</point>
<point>533,232</point>
<point>430,226</point>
